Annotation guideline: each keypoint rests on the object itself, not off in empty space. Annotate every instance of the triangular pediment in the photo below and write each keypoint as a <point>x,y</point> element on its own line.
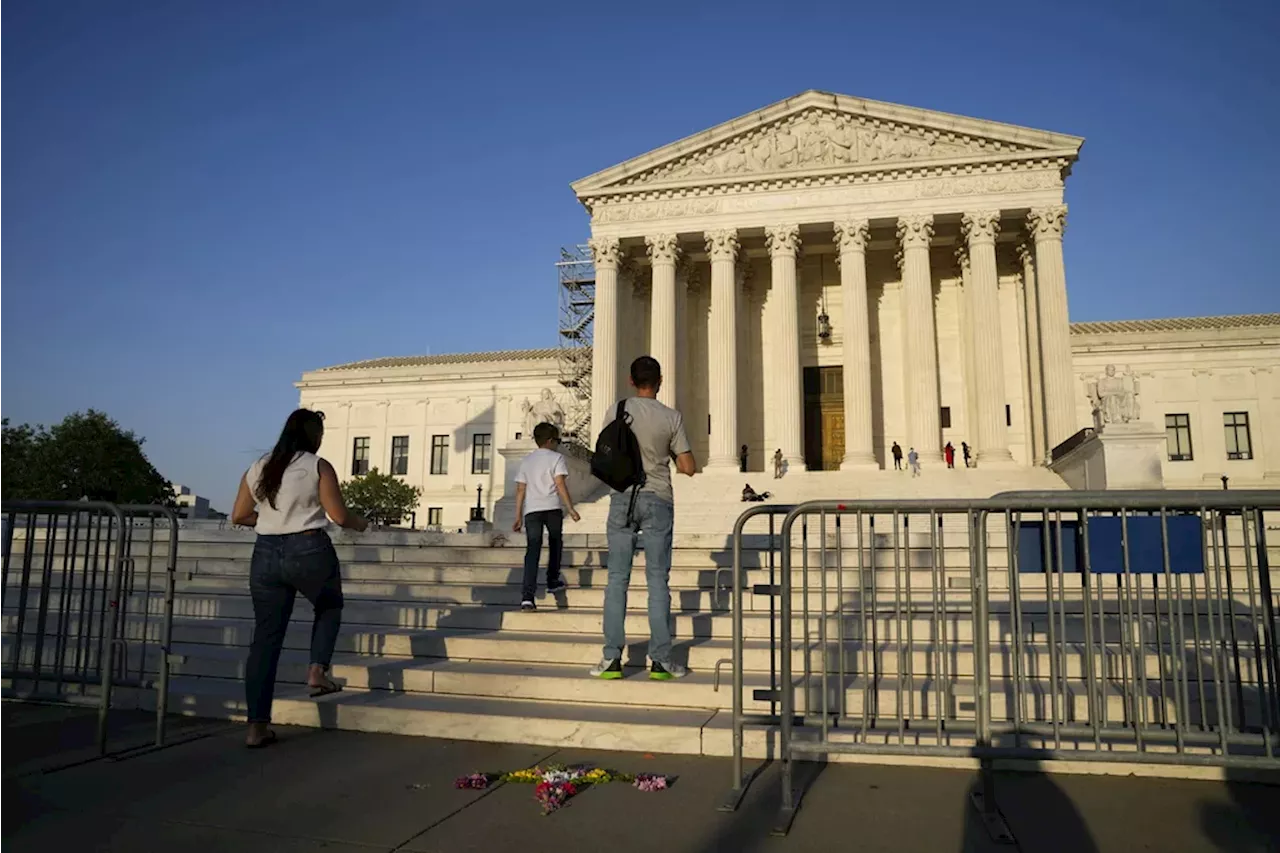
<point>824,133</point>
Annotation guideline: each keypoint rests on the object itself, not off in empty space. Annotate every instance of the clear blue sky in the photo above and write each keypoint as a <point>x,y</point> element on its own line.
<point>204,199</point>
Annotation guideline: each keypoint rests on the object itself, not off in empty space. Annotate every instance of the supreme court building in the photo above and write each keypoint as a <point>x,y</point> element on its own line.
<point>827,276</point>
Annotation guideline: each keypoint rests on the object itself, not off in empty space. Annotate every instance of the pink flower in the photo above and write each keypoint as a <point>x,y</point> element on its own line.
<point>650,782</point>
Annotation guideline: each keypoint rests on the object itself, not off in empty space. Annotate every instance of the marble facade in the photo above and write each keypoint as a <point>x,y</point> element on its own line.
<point>930,244</point>
<point>826,276</point>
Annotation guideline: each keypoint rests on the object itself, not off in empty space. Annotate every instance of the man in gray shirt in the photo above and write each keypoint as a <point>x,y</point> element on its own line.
<point>660,433</point>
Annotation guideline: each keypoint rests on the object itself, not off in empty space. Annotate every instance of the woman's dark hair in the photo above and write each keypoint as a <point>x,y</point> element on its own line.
<point>301,434</point>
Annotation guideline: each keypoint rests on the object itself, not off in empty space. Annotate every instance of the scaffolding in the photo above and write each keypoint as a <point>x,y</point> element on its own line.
<point>577,278</point>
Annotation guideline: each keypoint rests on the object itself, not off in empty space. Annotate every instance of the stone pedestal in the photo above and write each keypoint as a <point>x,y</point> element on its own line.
<point>1120,456</point>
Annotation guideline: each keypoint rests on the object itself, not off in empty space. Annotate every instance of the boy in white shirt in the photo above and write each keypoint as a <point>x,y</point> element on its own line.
<point>540,489</point>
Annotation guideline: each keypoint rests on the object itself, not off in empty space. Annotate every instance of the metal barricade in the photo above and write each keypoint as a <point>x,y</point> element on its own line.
<point>1092,626</point>
<point>74,568</point>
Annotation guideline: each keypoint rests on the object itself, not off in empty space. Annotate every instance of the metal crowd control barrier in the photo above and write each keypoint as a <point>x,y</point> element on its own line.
<point>1134,627</point>
<point>77,575</point>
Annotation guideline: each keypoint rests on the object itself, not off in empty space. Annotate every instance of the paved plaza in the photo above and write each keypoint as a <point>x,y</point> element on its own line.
<point>352,792</point>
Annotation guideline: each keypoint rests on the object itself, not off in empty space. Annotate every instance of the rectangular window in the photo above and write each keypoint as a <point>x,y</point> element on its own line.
<point>400,454</point>
<point>1236,425</point>
<point>360,456</point>
<point>435,516</point>
<point>1177,433</point>
<point>1008,415</point>
<point>481,453</point>
<point>946,417</point>
<point>439,454</point>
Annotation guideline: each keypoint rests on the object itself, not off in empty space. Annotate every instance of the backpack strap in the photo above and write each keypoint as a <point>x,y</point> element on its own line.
<point>622,409</point>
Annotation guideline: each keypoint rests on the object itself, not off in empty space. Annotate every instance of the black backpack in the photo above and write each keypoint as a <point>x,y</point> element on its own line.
<point>617,461</point>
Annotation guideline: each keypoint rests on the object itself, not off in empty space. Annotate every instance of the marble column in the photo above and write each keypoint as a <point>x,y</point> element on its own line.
<point>722,354</point>
<point>1034,366</point>
<point>1047,225</point>
<point>782,387</point>
<point>607,254</point>
<point>851,256</point>
<point>664,251</point>
<point>924,431</point>
<point>980,229</point>
<point>681,393</point>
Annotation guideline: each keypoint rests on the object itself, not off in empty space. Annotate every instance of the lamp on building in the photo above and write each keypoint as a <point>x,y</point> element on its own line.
<point>824,320</point>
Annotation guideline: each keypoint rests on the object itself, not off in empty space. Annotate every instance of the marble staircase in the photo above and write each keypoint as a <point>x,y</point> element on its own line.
<point>433,642</point>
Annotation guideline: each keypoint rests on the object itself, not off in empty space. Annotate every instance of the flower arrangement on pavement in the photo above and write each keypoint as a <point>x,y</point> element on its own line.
<point>555,784</point>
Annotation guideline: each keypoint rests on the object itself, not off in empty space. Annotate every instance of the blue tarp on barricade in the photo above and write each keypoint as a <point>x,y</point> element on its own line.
<point>1146,554</point>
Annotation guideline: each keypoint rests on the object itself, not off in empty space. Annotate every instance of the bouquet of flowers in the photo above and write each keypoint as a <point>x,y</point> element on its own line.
<point>555,784</point>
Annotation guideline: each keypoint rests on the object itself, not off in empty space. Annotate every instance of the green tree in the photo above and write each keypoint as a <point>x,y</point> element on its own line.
<point>87,455</point>
<point>380,497</point>
<point>16,448</point>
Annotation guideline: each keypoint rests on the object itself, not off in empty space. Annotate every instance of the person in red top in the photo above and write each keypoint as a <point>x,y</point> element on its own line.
<point>950,453</point>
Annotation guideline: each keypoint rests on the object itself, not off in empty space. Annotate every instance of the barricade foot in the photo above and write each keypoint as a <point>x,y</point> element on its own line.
<point>782,822</point>
<point>992,820</point>
<point>731,800</point>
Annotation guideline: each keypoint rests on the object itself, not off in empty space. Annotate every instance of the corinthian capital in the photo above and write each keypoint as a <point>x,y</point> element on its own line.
<point>1048,222</point>
<point>852,235</point>
<point>981,226</point>
<point>782,240</point>
<point>606,252</point>
<point>915,232</point>
<point>663,248</point>
<point>722,244</point>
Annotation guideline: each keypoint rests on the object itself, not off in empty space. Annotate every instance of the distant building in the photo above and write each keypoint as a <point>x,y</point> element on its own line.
<point>191,505</point>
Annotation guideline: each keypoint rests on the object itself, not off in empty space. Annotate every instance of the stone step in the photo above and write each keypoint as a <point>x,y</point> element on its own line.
<point>917,658</point>
<point>919,699</point>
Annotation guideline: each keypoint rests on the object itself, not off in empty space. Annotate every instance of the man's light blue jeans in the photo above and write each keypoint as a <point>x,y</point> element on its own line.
<point>651,523</point>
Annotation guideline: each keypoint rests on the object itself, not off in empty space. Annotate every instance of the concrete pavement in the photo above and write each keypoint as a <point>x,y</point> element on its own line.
<point>351,792</point>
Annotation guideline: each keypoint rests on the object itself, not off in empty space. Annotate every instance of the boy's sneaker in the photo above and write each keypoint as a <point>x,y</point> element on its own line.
<point>608,669</point>
<point>528,606</point>
<point>559,586</point>
<point>667,671</point>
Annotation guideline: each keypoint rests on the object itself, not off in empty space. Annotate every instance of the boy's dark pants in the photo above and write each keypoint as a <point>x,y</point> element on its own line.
<point>552,521</point>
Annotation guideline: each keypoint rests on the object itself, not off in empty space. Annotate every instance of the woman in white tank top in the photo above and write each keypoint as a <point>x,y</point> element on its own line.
<point>289,496</point>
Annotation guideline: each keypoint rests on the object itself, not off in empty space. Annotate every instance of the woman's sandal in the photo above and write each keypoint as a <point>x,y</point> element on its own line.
<point>324,689</point>
<point>267,739</point>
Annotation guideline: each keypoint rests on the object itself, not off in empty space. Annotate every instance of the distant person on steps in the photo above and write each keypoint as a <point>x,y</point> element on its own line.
<point>913,461</point>
<point>964,447</point>
<point>778,464</point>
<point>897,456</point>
<point>949,452</point>
<point>286,495</point>
<point>541,488</point>
<point>659,430</point>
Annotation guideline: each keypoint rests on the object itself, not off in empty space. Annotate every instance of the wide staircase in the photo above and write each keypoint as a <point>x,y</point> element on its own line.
<point>434,642</point>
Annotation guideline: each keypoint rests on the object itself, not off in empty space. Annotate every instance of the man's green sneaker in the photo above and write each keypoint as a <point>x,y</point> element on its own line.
<point>608,668</point>
<point>667,671</point>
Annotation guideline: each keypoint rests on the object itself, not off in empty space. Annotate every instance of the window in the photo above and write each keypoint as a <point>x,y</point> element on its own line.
<point>439,454</point>
<point>1236,425</point>
<point>360,456</point>
<point>1177,433</point>
<point>1008,415</point>
<point>400,454</point>
<point>481,452</point>
<point>435,516</point>
<point>946,417</point>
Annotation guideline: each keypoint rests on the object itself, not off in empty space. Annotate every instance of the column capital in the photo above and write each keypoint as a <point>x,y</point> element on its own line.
<point>722,244</point>
<point>1048,223</point>
<point>980,226</point>
<point>915,232</point>
<point>662,248</point>
<point>605,251</point>
<point>852,235</point>
<point>782,240</point>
